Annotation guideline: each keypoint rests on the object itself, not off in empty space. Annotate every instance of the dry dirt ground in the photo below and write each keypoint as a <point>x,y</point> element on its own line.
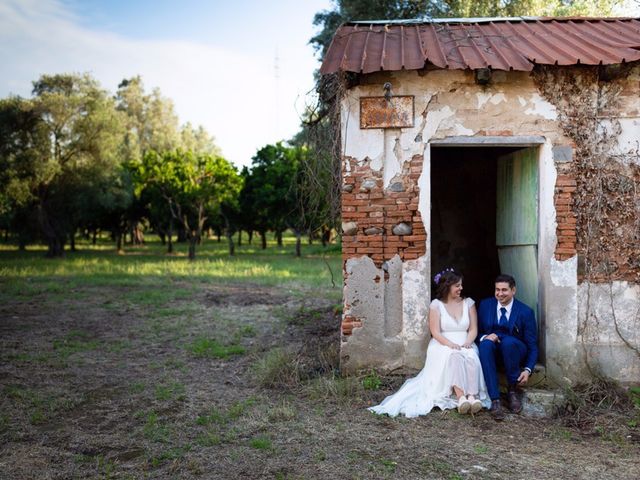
<point>106,382</point>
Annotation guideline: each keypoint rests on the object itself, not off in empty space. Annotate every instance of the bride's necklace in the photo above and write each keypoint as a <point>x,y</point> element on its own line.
<point>450,314</point>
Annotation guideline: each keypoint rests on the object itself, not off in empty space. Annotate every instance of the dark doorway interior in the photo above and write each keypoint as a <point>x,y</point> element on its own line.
<point>463,214</point>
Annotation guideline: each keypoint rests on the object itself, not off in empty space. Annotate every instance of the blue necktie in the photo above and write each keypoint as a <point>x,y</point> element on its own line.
<point>503,316</point>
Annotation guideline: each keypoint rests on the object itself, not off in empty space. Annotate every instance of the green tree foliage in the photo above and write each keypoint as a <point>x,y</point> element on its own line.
<point>23,142</point>
<point>152,125</point>
<point>151,122</point>
<point>268,195</point>
<point>194,186</point>
<point>69,157</point>
<point>513,8</point>
<point>248,220</point>
<point>198,140</point>
<point>61,151</point>
<point>317,184</point>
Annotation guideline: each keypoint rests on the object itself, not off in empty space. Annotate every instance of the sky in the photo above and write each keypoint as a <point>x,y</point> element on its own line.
<point>243,69</point>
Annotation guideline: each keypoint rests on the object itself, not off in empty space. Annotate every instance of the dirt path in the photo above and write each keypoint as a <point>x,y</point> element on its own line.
<point>121,383</point>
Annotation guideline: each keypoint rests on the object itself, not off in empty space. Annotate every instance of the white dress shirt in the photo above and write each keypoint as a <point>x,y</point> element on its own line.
<point>508,312</point>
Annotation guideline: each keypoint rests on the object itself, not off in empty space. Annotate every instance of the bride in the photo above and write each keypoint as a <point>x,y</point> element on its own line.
<point>452,376</point>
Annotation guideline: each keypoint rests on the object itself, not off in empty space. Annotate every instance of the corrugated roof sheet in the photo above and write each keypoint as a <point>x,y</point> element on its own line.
<point>498,43</point>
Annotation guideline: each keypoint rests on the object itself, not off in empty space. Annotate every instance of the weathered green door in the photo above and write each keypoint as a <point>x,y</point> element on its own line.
<point>517,221</point>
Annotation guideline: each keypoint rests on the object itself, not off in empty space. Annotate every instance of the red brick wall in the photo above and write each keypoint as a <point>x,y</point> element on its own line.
<point>382,209</point>
<point>565,218</point>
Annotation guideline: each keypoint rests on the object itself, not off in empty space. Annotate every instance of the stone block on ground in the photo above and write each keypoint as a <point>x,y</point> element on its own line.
<point>541,403</point>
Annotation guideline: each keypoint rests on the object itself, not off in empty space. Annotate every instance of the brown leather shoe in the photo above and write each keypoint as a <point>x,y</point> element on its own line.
<point>515,404</point>
<point>497,411</point>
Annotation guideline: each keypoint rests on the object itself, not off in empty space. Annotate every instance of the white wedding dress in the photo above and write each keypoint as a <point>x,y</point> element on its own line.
<point>433,385</point>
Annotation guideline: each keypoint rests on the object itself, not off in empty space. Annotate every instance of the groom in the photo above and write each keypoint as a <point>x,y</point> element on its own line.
<point>507,338</point>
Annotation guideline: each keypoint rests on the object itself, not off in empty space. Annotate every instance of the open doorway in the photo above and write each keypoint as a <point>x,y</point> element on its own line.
<point>484,216</point>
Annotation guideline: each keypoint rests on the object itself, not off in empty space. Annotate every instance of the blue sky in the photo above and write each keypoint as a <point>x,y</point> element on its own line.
<point>214,59</point>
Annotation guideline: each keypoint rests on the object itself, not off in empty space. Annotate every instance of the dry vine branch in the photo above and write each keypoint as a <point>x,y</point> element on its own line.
<point>607,229</point>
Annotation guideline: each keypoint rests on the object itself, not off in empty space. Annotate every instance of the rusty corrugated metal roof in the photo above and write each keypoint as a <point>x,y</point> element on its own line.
<point>496,43</point>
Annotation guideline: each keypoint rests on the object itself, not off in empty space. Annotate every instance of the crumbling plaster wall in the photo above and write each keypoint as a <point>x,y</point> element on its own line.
<point>451,104</point>
<point>601,112</point>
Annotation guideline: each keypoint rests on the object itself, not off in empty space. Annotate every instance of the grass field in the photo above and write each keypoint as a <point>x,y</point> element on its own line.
<point>27,272</point>
<point>144,365</point>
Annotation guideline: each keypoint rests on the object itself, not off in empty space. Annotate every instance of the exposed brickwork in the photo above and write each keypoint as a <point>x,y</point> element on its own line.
<point>349,322</point>
<point>369,205</point>
<point>603,198</point>
<point>624,264</point>
<point>565,217</point>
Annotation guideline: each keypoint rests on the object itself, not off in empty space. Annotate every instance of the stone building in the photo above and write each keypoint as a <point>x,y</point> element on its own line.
<point>492,145</point>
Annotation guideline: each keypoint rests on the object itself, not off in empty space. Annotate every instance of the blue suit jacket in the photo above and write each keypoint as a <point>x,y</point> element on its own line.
<point>522,325</point>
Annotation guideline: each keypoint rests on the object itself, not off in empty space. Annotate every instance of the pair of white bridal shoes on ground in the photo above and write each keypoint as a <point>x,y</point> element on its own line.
<point>469,406</point>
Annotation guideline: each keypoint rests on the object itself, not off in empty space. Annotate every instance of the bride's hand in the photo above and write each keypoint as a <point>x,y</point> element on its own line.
<point>467,344</point>
<point>455,346</point>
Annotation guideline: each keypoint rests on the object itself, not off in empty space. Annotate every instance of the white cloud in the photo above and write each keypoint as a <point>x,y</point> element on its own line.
<point>232,94</point>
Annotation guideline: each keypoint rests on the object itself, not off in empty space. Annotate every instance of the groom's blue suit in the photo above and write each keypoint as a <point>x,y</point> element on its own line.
<point>518,346</point>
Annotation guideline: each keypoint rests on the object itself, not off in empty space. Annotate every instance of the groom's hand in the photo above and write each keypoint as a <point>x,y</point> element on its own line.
<point>523,378</point>
<point>493,337</point>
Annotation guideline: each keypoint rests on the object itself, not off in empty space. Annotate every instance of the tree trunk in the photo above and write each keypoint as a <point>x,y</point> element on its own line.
<point>250,236</point>
<point>192,247</point>
<point>232,247</point>
<point>137,235</point>
<point>119,241</point>
<point>219,234</point>
<point>263,238</point>
<point>56,247</point>
<point>310,235</point>
<point>298,244</point>
<point>22,243</point>
<point>279,237</point>
<point>94,238</point>
<point>239,238</point>
<point>72,241</point>
<point>169,237</point>
<point>55,240</point>
<point>163,237</point>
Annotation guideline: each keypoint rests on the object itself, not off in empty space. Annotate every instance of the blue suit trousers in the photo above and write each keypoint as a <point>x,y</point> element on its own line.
<point>510,353</point>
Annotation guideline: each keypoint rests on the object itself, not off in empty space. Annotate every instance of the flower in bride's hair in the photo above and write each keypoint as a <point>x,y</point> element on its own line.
<point>438,276</point>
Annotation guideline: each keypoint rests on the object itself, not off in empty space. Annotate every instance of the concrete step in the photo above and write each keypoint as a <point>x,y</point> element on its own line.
<point>537,379</point>
<point>537,400</point>
<point>538,403</point>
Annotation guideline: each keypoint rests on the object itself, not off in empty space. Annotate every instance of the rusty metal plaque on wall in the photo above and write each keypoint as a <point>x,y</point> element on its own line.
<point>378,112</point>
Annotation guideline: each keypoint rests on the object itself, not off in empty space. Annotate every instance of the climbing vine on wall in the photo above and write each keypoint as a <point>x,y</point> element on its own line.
<point>606,201</point>
<point>321,132</point>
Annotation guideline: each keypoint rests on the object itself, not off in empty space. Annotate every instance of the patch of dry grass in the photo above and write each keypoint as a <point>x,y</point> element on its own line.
<point>603,407</point>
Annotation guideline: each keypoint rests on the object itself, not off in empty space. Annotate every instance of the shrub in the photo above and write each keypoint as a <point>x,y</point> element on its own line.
<point>372,381</point>
<point>278,368</point>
